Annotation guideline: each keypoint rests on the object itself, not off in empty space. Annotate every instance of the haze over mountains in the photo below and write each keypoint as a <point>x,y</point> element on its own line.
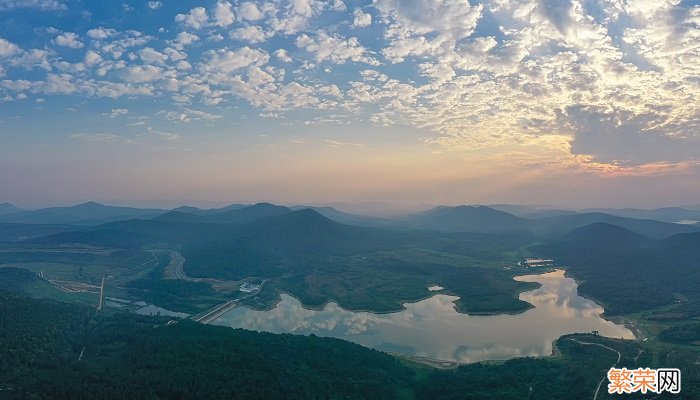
<point>628,271</point>
<point>273,241</point>
<point>655,224</point>
<point>7,208</point>
<point>89,213</point>
<point>320,254</point>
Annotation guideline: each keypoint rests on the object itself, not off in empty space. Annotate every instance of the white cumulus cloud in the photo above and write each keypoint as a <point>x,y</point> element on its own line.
<point>334,48</point>
<point>252,34</point>
<point>361,19</point>
<point>223,14</point>
<point>69,39</point>
<point>7,48</point>
<point>41,5</point>
<point>226,60</point>
<point>249,11</point>
<point>197,18</point>
<point>101,33</point>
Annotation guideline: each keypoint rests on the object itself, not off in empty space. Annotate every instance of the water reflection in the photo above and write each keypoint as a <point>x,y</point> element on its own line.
<point>432,328</point>
<point>150,309</point>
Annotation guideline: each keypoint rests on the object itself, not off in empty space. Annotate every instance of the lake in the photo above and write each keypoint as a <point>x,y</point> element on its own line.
<point>142,308</point>
<point>433,328</point>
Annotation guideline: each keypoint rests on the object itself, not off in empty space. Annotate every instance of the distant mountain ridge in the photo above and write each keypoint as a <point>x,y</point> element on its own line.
<point>601,236</point>
<point>7,208</point>
<point>230,215</point>
<point>628,272</point>
<point>89,213</point>
<point>666,214</point>
<point>484,219</point>
<point>467,219</point>
<point>200,211</point>
<point>651,228</point>
<point>346,218</point>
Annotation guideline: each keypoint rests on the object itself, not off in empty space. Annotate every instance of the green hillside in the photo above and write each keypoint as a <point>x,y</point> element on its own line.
<point>627,272</point>
<point>138,357</point>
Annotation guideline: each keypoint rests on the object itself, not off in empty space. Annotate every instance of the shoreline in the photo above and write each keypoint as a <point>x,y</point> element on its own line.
<point>404,302</point>
<point>617,320</point>
<point>450,364</point>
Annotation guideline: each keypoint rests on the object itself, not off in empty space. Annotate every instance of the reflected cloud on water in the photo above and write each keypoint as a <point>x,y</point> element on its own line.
<point>433,328</point>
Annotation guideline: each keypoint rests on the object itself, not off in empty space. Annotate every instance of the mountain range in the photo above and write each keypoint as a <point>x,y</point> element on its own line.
<point>89,213</point>
<point>626,271</point>
<point>7,208</point>
<point>476,219</point>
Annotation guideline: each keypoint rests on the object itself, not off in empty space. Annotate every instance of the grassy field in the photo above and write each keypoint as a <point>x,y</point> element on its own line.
<point>79,264</point>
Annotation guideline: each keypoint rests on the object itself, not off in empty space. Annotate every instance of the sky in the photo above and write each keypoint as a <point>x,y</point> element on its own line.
<point>578,103</point>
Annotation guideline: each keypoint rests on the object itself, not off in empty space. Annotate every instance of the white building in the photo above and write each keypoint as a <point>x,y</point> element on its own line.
<point>249,287</point>
<point>536,262</point>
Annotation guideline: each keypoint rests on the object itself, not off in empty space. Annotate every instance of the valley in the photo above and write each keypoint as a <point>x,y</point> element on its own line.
<point>456,287</point>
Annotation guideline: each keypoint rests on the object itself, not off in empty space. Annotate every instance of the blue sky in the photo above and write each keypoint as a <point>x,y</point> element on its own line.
<point>578,102</point>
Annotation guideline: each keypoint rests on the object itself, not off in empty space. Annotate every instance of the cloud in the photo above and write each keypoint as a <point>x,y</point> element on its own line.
<point>41,5</point>
<point>361,19</point>
<point>69,39</point>
<point>162,134</point>
<point>101,33</point>
<point>8,48</point>
<point>151,56</point>
<point>117,112</point>
<point>92,58</point>
<point>197,18</point>
<point>627,138</point>
<point>183,65</point>
<point>338,5</point>
<point>154,5</point>
<point>223,14</point>
<point>251,34</point>
<point>602,81</point>
<point>188,115</point>
<point>100,137</point>
<point>32,59</point>
<point>337,143</point>
<point>293,17</point>
<point>334,48</point>
<point>410,21</point>
<point>283,56</point>
<point>184,39</point>
<point>249,11</point>
<point>141,73</point>
<point>225,60</point>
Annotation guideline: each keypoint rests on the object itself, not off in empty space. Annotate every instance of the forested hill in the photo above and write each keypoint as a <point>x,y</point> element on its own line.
<point>319,260</point>
<point>235,216</point>
<point>286,226</point>
<point>628,272</point>
<point>137,357</point>
<point>89,213</point>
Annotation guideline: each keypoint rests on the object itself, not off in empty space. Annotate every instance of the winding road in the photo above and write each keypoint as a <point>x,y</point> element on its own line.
<point>175,268</point>
<point>619,356</point>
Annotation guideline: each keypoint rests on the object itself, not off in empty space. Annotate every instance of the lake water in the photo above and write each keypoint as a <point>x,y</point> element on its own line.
<point>142,308</point>
<point>150,309</point>
<point>432,328</point>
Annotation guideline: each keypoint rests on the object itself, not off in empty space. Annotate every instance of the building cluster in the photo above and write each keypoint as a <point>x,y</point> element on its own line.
<point>249,287</point>
<point>536,263</point>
